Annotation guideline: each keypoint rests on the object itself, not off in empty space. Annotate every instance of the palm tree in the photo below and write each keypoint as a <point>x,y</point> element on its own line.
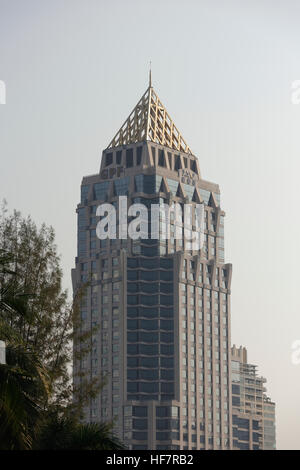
<point>61,432</point>
<point>23,381</point>
<point>21,386</point>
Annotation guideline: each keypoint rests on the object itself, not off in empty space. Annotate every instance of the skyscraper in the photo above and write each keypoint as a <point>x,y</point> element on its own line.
<point>253,412</point>
<point>163,307</point>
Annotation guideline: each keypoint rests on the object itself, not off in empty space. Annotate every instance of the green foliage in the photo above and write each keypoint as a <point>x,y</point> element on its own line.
<point>63,432</point>
<point>38,325</point>
<point>23,380</point>
<point>46,329</point>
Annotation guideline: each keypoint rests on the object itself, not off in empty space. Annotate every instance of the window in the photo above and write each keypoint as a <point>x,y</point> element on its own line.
<point>139,151</point>
<point>189,190</point>
<point>119,157</point>
<point>152,185</point>
<point>151,387</point>
<point>163,411</point>
<point>140,411</point>
<point>161,158</point>
<point>149,299</point>
<point>140,436</point>
<point>194,166</point>
<point>173,186</point>
<point>205,195</point>
<point>140,424</point>
<point>166,337</point>
<point>149,324</point>
<point>148,350</point>
<point>167,374</point>
<point>166,349</point>
<point>108,159</point>
<point>149,362</point>
<point>150,374</point>
<point>166,275</point>
<point>84,266</point>
<point>101,191</point>
<point>177,162</point>
<point>166,325</point>
<point>129,158</point>
<point>121,186</point>
<point>167,362</point>
<point>84,193</point>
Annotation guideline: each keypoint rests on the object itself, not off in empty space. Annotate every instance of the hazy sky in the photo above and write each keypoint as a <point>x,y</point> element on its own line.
<point>74,69</point>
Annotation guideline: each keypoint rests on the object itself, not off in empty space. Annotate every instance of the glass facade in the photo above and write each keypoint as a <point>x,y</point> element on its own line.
<point>148,184</point>
<point>150,329</point>
<point>121,186</point>
<point>101,191</point>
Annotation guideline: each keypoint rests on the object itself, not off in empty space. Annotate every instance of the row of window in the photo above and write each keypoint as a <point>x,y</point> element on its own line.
<point>150,387</point>
<point>150,325</point>
<point>137,274</point>
<point>150,299</point>
<point>153,287</point>
<point>128,162</point>
<point>152,337</point>
<point>149,350</point>
<point>150,374</point>
<point>172,435</point>
<point>148,362</point>
<point>165,263</point>
<point>148,312</point>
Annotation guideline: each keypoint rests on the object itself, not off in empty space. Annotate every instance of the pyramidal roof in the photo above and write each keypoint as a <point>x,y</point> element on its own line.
<point>150,121</point>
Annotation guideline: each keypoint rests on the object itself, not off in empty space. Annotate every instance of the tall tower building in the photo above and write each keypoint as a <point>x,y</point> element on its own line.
<point>162,306</point>
<point>253,412</point>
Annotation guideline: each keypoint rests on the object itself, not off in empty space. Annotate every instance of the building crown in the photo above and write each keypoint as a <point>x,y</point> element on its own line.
<point>150,121</point>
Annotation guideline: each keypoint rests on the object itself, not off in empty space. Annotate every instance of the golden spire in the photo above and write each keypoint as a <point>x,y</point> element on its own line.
<point>150,121</point>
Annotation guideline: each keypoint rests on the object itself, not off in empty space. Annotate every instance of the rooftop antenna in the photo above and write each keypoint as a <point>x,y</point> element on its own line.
<point>150,76</point>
